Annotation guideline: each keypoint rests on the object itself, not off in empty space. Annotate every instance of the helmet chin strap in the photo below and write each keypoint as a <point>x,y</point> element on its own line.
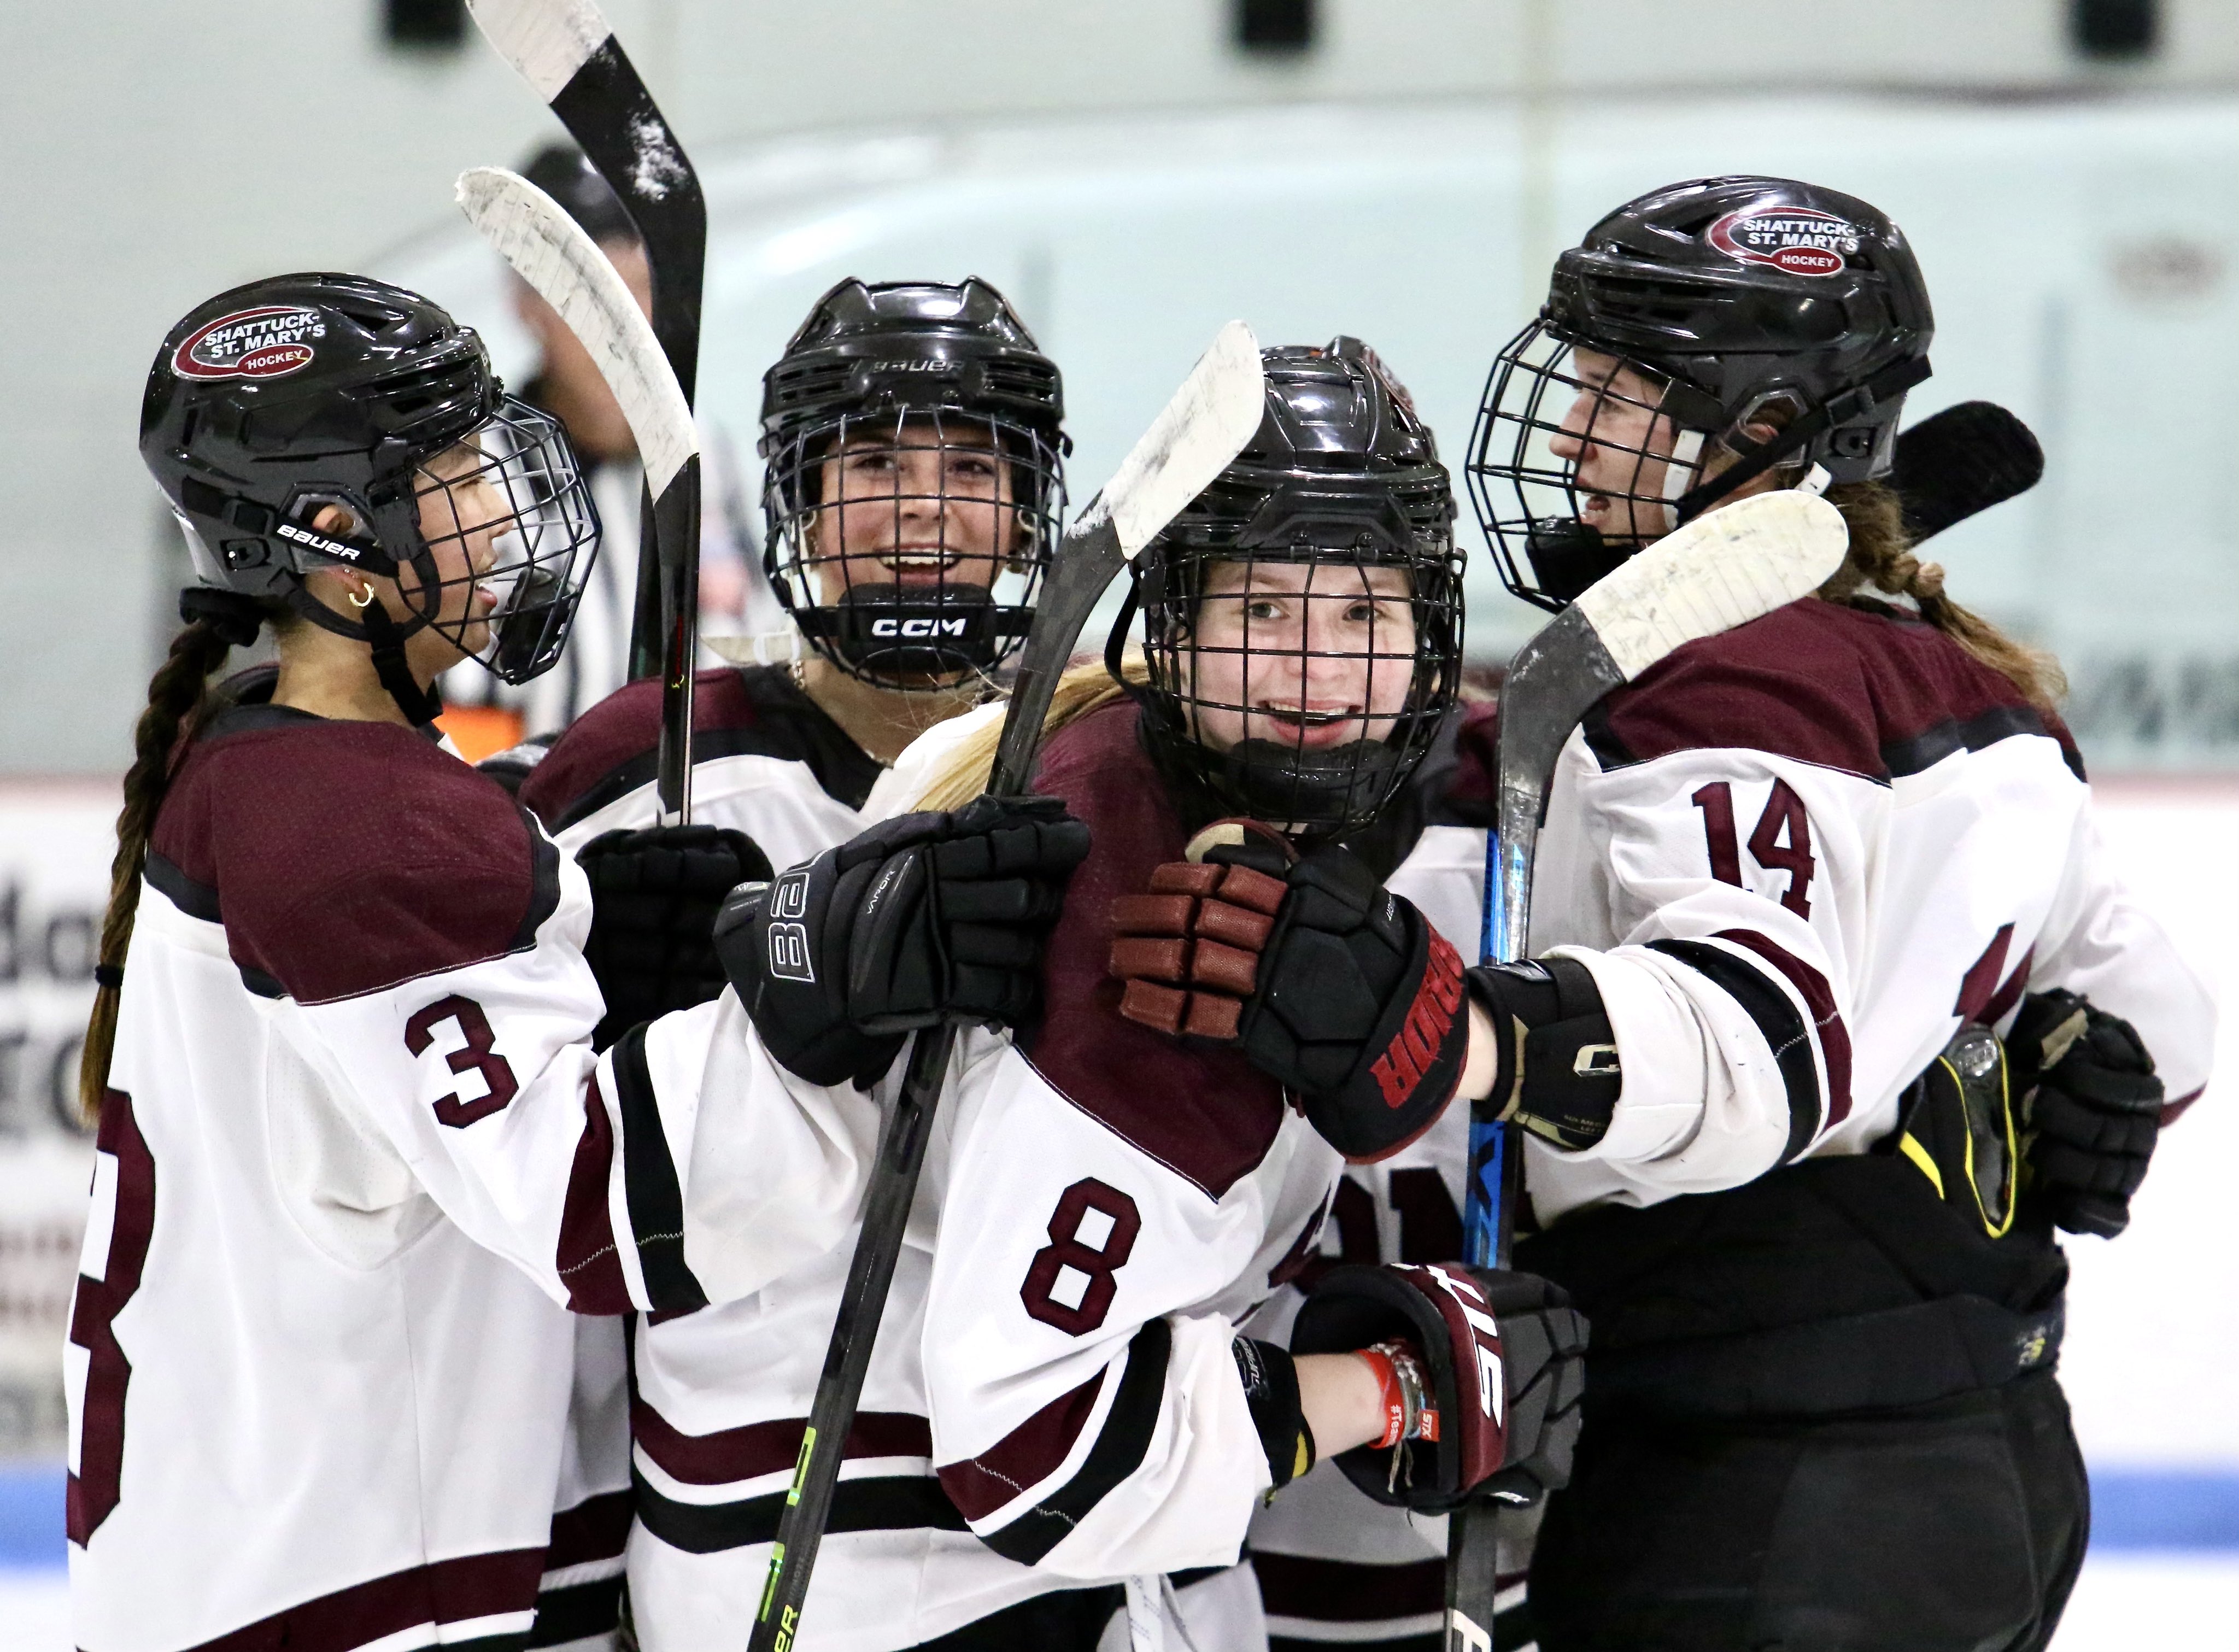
<point>1679,472</point>
<point>420,706</point>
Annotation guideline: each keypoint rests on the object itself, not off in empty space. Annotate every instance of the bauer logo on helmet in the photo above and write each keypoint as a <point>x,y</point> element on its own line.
<point>261,343</point>
<point>1798,240</point>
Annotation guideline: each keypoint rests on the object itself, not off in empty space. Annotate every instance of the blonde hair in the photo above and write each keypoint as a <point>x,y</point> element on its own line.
<point>1084,688</point>
<point>1880,557</point>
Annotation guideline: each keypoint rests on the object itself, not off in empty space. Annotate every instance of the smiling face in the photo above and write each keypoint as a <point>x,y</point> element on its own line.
<point>1309,656</point>
<point>921,504</point>
<point>462,515</point>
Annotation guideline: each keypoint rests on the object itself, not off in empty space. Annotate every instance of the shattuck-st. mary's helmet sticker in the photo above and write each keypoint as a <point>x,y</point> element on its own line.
<point>251,344</point>
<point>1800,240</point>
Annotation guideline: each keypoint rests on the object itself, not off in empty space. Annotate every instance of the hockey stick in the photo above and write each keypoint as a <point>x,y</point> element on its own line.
<point>1719,571</point>
<point>566,51</point>
<point>1210,417</point>
<point>1963,460</point>
<point>549,251</point>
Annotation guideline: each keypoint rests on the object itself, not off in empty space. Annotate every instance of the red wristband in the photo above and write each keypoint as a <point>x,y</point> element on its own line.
<point>1394,1396</point>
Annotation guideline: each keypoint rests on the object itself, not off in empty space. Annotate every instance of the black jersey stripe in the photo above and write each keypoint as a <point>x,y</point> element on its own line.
<point>1603,739</point>
<point>1985,729</point>
<point>1118,1451</point>
<point>577,1612</point>
<point>650,1184</point>
<point>196,900</point>
<point>1778,1021</point>
<point>875,1502</point>
<point>543,883</point>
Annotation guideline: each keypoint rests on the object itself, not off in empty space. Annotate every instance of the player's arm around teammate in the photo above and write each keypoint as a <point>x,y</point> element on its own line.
<point>1789,881</point>
<point>341,1054</point>
<point>1113,1202</point>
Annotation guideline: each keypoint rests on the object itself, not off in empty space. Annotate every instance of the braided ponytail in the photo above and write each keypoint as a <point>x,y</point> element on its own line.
<point>1882,558</point>
<point>175,702</point>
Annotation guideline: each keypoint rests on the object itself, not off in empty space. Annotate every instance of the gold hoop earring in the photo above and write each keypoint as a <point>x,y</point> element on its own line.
<point>361,598</point>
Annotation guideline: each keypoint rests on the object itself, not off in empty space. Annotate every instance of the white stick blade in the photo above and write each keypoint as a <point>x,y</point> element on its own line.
<point>546,40</point>
<point>553,255</point>
<point>1202,429</point>
<point>1719,571</point>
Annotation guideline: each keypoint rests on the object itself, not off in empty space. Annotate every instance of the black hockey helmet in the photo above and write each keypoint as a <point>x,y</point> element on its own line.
<point>916,558</point>
<point>1341,479</point>
<point>1734,303</point>
<point>275,401</point>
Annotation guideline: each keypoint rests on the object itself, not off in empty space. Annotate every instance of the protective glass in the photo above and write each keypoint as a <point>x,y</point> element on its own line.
<point>1572,471</point>
<point>909,546</point>
<point>510,535</point>
<point>1302,684</point>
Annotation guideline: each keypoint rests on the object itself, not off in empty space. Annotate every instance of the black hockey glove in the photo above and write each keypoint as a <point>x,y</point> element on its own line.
<point>922,919</point>
<point>1332,986</point>
<point>2090,1109</point>
<point>1557,1075</point>
<point>654,893</point>
<point>1489,1365</point>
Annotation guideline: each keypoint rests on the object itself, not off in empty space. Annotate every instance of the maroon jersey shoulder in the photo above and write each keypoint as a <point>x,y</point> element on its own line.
<point>1206,1113</point>
<point>1866,689</point>
<point>614,748</point>
<point>344,857</point>
<point>619,730</point>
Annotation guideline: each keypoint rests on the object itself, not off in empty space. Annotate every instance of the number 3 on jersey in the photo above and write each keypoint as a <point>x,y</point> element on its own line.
<point>480,1055</point>
<point>1091,1233</point>
<point>1784,816</point>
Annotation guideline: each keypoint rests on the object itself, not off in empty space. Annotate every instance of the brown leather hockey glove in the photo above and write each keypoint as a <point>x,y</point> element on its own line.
<point>1330,983</point>
<point>1189,950</point>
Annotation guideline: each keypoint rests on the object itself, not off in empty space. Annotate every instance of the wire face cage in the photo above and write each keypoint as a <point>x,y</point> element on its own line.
<point>909,544</point>
<point>1299,685</point>
<point>510,535</point>
<point>1575,463</point>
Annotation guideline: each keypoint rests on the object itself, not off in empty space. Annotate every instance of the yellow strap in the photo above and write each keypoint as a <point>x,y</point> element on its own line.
<point>1909,1144</point>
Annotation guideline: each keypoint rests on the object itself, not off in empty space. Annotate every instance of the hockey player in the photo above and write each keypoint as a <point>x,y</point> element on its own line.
<point>1789,879</point>
<point>913,442</point>
<point>1058,1397</point>
<point>357,1158</point>
<point>913,433</point>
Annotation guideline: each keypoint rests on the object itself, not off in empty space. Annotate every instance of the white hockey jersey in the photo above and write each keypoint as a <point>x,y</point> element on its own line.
<point>1111,1203</point>
<point>355,1165</point>
<point>1796,857</point>
<point>722,1394</point>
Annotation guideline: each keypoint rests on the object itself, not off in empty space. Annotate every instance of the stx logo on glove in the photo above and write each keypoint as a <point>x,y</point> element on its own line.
<point>1484,1335</point>
<point>788,936</point>
<point>1416,1045</point>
